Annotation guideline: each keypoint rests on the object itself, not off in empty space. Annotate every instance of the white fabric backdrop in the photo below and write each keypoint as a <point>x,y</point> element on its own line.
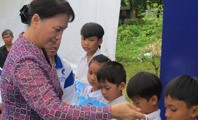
<point>104,12</point>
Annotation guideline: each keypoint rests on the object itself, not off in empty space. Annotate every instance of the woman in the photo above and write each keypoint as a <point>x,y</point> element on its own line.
<point>30,86</point>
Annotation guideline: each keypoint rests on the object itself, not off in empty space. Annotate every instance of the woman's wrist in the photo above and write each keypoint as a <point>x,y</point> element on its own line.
<point>114,111</point>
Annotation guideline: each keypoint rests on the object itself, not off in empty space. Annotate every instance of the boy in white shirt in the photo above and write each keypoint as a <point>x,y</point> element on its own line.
<point>93,90</point>
<point>91,40</point>
<point>112,77</point>
<point>144,89</point>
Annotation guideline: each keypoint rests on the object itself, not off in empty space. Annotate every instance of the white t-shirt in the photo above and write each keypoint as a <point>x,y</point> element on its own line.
<point>97,95</point>
<point>154,115</point>
<point>117,100</point>
<point>82,69</point>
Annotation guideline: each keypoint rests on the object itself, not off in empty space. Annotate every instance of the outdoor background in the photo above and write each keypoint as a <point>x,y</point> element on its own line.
<point>139,36</point>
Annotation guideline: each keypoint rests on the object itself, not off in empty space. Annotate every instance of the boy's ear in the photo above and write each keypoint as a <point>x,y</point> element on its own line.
<point>154,100</point>
<point>122,85</point>
<point>194,111</point>
<point>100,40</point>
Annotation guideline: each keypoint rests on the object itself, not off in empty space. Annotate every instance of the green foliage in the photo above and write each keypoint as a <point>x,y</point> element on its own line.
<point>138,38</point>
<point>139,6</point>
<point>132,38</point>
<point>133,67</point>
<point>127,22</point>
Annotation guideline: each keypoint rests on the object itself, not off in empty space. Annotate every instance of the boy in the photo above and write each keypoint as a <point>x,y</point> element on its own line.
<point>91,40</point>
<point>112,77</point>
<point>144,90</point>
<point>7,36</point>
<point>181,98</point>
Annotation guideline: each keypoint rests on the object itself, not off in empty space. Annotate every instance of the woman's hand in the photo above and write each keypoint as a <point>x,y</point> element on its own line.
<point>126,111</point>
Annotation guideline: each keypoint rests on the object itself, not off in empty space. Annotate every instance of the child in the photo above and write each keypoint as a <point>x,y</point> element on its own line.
<point>93,89</point>
<point>112,77</point>
<point>91,40</point>
<point>144,90</point>
<point>181,98</point>
<point>64,72</point>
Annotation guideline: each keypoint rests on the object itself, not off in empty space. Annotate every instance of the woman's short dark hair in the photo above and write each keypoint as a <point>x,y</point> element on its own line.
<point>92,29</point>
<point>46,9</point>
<point>183,88</point>
<point>144,85</point>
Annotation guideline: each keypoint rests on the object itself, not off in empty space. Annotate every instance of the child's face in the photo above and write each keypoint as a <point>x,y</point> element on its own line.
<point>92,74</point>
<point>177,110</point>
<point>90,45</point>
<point>146,106</point>
<point>111,91</point>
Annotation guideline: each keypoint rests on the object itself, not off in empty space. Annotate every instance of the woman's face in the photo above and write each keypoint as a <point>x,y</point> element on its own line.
<point>48,32</point>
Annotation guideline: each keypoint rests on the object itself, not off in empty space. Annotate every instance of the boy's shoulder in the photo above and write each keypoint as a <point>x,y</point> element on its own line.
<point>154,115</point>
<point>118,100</point>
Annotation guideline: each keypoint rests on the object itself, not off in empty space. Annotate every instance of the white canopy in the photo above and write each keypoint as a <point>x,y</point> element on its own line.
<point>104,12</point>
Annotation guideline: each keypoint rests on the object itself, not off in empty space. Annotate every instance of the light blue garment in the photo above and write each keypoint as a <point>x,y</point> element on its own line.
<point>82,100</point>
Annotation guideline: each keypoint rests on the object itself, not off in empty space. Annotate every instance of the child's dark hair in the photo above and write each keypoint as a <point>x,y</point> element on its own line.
<point>112,72</point>
<point>100,59</point>
<point>92,29</point>
<point>144,85</point>
<point>46,9</point>
<point>183,88</point>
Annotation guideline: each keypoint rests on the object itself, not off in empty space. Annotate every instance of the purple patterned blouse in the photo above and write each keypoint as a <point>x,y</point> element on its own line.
<point>31,89</point>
